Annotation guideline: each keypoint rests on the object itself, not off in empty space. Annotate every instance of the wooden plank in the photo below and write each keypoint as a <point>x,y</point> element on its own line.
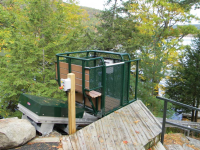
<point>74,142</point>
<point>142,124</point>
<point>79,75</point>
<point>63,76</point>
<point>71,105</point>
<point>89,143</point>
<point>159,146</point>
<point>78,88</point>
<point>100,134</point>
<point>152,128</point>
<point>139,127</point>
<point>134,126</point>
<point>66,143</point>
<point>79,98</point>
<point>93,94</point>
<point>156,127</point>
<point>137,142</point>
<point>79,81</point>
<point>63,65</point>
<point>77,141</point>
<point>107,134</point>
<point>77,68</point>
<point>92,131</point>
<point>118,140</point>
<point>149,112</point>
<point>126,139</point>
<point>81,140</point>
<point>142,118</point>
<point>111,103</point>
<point>56,70</point>
<point>63,71</point>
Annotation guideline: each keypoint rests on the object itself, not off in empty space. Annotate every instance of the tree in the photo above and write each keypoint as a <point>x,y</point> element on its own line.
<point>39,30</point>
<point>115,29</point>
<point>184,83</point>
<point>145,29</point>
<point>161,42</point>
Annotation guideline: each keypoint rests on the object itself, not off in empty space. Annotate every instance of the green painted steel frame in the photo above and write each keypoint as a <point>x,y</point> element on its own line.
<point>103,66</point>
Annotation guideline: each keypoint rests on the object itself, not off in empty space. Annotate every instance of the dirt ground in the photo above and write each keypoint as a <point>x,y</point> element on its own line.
<point>178,138</point>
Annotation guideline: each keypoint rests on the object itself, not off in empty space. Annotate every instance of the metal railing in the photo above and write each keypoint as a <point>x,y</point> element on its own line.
<point>174,124</point>
<point>97,55</point>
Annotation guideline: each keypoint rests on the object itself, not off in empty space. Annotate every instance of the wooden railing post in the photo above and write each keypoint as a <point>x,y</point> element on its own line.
<point>71,105</point>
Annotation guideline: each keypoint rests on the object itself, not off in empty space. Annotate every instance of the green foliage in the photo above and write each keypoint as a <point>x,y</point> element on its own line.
<point>38,30</point>
<point>145,29</point>
<point>184,85</point>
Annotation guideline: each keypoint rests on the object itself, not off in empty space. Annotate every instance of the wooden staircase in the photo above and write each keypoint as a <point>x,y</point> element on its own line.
<point>131,127</point>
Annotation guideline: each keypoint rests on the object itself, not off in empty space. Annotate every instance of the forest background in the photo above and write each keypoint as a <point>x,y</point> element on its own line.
<point>33,31</point>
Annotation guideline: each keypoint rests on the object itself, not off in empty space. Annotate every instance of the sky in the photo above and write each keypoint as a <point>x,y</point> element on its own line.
<point>98,4</point>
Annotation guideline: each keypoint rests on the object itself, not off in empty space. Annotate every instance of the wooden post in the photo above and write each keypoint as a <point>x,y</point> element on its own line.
<point>71,105</point>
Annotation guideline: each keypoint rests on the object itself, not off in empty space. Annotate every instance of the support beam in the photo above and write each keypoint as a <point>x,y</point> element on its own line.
<point>71,105</point>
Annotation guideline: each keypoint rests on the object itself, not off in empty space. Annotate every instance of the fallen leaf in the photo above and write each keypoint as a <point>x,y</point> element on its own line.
<point>137,132</point>
<point>101,141</point>
<point>30,143</point>
<point>59,146</point>
<point>125,142</point>
<point>136,121</point>
<point>54,146</point>
<point>134,143</point>
<point>116,112</point>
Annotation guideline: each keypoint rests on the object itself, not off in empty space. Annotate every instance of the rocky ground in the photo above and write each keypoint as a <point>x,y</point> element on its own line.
<point>175,141</point>
<point>178,141</point>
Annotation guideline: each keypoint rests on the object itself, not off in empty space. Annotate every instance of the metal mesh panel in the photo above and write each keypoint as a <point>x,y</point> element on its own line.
<point>76,62</point>
<point>126,89</point>
<point>95,77</point>
<point>94,63</point>
<point>132,81</point>
<point>113,88</point>
<point>115,58</point>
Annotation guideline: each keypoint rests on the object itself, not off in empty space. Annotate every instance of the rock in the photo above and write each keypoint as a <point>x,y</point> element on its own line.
<point>194,142</point>
<point>15,132</point>
<point>174,147</point>
<point>185,147</point>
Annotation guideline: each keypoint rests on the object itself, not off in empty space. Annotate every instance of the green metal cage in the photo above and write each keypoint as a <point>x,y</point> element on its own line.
<point>104,72</point>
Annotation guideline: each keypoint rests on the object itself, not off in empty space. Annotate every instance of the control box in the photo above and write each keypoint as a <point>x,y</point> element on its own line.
<point>65,84</point>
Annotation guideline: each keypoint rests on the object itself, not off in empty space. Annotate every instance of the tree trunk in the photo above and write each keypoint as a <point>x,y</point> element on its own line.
<point>192,117</point>
<point>114,10</point>
<point>43,61</point>
<point>196,113</point>
<point>196,116</point>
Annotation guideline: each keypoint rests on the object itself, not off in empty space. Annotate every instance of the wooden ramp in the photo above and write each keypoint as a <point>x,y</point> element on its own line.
<point>131,127</point>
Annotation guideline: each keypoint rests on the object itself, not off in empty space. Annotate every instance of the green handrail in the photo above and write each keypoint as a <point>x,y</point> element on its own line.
<point>84,61</point>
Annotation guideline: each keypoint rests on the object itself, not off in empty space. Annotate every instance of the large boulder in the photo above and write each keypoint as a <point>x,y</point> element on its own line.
<point>15,132</point>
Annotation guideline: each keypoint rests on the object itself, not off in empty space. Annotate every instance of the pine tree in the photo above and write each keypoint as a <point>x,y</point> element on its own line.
<point>39,30</point>
<point>184,84</point>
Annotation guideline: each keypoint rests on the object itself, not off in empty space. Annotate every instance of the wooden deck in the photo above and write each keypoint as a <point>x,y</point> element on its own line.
<point>132,127</point>
<point>111,103</point>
